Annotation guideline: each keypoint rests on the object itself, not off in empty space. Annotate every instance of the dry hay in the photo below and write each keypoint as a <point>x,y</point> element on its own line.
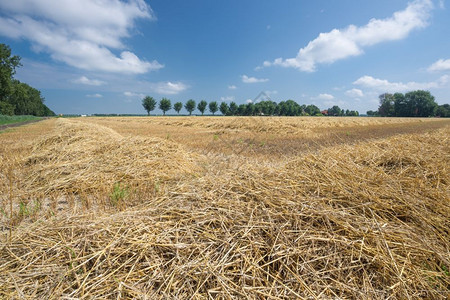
<point>279,125</point>
<point>79,157</point>
<point>362,222</point>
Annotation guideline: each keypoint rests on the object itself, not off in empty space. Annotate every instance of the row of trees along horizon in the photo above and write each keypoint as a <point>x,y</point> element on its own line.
<point>18,98</point>
<point>413,104</point>
<point>266,108</point>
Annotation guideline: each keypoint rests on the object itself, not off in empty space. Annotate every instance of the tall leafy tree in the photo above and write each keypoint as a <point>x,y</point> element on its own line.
<point>312,110</point>
<point>190,106</point>
<point>242,108</point>
<point>233,108</point>
<point>6,108</point>
<point>149,104</point>
<point>27,100</point>
<point>250,109</point>
<point>202,106</point>
<point>224,108</point>
<point>8,65</point>
<point>443,111</point>
<point>165,105</point>
<point>412,104</point>
<point>178,106</point>
<point>401,106</point>
<point>387,105</point>
<point>335,111</point>
<point>213,107</point>
<point>422,103</point>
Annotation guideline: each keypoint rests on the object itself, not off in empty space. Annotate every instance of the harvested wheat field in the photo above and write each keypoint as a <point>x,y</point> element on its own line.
<point>227,208</point>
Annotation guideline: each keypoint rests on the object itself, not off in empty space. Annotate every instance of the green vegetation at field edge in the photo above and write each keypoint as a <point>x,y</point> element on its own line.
<point>4,120</point>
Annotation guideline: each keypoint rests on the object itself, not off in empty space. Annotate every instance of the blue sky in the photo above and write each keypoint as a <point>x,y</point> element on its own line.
<point>92,56</point>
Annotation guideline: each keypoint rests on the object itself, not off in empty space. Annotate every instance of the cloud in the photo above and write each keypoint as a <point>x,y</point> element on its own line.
<point>132,95</point>
<point>248,101</point>
<point>342,43</point>
<point>384,85</point>
<point>355,93</point>
<point>87,81</point>
<point>227,99</point>
<point>323,97</point>
<point>440,65</point>
<point>94,96</point>
<point>79,33</point>
<point>246,79</point>
<point>169,88</point>
<point>232,87</point>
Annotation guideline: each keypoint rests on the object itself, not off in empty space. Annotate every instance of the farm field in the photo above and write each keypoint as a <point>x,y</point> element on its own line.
<point>225,207</point>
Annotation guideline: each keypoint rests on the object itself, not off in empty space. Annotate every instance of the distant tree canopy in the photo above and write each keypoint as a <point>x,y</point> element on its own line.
<point>190,106</point>
<point>165,105</point>
<point>213,107</point>
<point>178,106</point>
<point>260,108</point>
<point>202,106</point>
<point>224,108</point>
<point>149,104</point>
<point>443,111</point>
<point>17,98</point>
<point>412,104</point>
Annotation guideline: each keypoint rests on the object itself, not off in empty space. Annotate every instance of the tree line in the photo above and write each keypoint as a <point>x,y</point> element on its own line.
<point>412,104</point>
<point>262,108</point>
<point>18,98</point>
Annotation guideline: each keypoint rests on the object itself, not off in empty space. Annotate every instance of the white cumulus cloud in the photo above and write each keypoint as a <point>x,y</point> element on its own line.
<point>246,79</point>
<point>133,95</point>
<point>232,87</point>
<point>440,65</point>
<point>169,88</point>
<point>323,97</point>
<point>342,43</point>
<point>87,81</point>
<point>354,93</point>
<point>80,33</point>
<point>384,85</point>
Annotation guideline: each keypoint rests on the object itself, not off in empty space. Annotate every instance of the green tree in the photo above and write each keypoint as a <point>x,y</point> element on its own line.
<point>242,108</point>
<point>6,108</point>
<point>233,108</point>
<point>165,105</point>
<point>250,109</point>
<point>27,100</point>
<point>264,108</point>
<point>334,111</point>
<point>372,113</point>
<point>8,65</point>
<point>387,105</point>
<point>443,111</point>
<point>224,108</point>
<point>190,106</point>
<point>422,103</point>
<point>202,106</point>
<point>401,106</point>
<point>312,110</point>
<point>178,106</point>
<point>149,104</point>
<point>213,107</point>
